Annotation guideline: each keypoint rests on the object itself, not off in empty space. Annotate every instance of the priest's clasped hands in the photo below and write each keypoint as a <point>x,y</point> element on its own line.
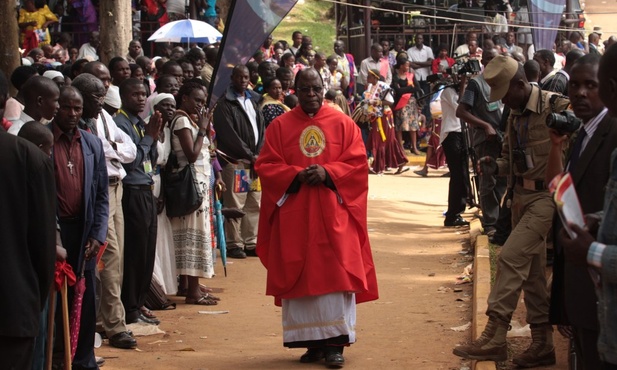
<point>312,175</point>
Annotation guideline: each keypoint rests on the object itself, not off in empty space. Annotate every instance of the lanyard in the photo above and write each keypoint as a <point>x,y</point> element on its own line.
<point>139,132</point>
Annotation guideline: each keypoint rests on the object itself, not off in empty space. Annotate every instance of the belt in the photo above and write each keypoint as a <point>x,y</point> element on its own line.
<point>70,220</point>
<point>139,187</point>
<point>531,184</point>
<point>114,180</point>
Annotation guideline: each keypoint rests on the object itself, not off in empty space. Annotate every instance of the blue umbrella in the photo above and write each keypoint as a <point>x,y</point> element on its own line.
<point>220,231</point>
<point>187,30</point>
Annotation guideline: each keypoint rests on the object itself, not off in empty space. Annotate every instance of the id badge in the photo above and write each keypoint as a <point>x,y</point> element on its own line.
<point>528,161</point>
<point>493,106</point>
<point>148,166</point>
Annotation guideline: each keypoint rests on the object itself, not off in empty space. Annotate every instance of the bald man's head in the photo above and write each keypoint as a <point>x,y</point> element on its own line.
<point>40,97</point>
<point>100,71</point>
<point>37,134</point>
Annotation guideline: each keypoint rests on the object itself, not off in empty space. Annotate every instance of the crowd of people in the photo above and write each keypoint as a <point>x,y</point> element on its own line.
<point>107,138</point>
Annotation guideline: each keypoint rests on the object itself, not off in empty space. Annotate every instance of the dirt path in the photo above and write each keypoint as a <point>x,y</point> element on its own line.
<point>417,263</point>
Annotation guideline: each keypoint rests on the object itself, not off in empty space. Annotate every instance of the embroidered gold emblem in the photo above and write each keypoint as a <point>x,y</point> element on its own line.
<point>312,141</point>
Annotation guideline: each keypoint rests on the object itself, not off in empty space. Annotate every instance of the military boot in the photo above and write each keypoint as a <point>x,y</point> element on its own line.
<point>541,352</point>
<point>491,346</point>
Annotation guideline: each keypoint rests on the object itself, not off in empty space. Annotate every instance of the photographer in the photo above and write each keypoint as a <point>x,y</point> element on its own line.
<point>573,298</point>
<point>484,118</point>
<point>522,260</point>
<point>453,145</point>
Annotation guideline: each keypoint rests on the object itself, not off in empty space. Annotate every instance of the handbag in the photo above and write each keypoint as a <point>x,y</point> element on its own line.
<point>156,298</point>
<point>360,116</point>
<point>181,188</point>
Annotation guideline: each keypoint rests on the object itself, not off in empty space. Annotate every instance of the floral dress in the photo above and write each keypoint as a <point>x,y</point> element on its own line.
<point>192,234</point>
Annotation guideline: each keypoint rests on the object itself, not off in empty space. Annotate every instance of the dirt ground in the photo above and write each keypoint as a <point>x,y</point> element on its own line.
<point>409,327</point>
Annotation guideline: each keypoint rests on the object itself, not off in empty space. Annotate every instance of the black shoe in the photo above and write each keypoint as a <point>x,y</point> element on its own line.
<point>123,340</point>
<point>236,253</point>
<point>250,252</point>
<point>335,360</point>
<point>497,239</point>
<point>459,221</point>
<point>144,320</point>
<point>312,355</point>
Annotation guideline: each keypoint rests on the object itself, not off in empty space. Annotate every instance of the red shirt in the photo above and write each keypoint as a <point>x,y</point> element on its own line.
<point>69,169</point>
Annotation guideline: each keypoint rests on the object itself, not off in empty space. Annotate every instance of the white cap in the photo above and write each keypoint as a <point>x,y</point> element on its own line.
<point>51,74</point>
<point>113,97</point>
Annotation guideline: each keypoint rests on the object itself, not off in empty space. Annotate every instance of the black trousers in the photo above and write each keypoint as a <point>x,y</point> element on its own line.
<point>140,229</point>
<point>16,352</point>
<point>586,345</point>
<point>71,233</point>
<point>454,149</point>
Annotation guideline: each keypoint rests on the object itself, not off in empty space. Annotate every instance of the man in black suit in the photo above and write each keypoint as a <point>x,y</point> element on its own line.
<point>28,229</point>
<point>573,298</point>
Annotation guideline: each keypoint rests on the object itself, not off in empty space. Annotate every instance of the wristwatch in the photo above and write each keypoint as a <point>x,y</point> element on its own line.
<point>202,133</point>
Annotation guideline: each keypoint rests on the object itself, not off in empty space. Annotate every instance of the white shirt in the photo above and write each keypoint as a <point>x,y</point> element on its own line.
<point>549,75</point>
<point>590,128</point>
<point>461,50</point>
<point>560,62</point>
<point>125,151</point>
<point>369,63</point>
<point>247,105</point>
<point>148,108</point>
<point>19,122</point>
<point>421,55</point>
<point>87,50</point>
<point>449,104</point>
<point>501,25</point>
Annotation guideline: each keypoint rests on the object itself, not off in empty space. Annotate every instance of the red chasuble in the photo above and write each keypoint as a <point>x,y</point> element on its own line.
<point>315,241</point>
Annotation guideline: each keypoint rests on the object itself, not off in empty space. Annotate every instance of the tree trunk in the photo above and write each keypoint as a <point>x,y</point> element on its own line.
<point>116,28</point>
<point>9,44</point>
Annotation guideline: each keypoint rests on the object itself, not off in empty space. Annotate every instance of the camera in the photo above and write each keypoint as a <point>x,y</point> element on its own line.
<point>471,66</point>
<point>564,122</point>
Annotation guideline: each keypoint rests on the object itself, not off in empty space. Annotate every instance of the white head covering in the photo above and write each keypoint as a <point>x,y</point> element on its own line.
<point>160,97</point>
<point>113,97</point>
<point>51,74</point>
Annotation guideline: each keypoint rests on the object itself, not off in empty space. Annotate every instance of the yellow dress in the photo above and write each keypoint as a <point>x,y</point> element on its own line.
<point>41,16</point>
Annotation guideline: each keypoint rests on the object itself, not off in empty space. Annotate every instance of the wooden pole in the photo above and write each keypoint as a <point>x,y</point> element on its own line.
<point>9,43</point>
<point>65,326</point>
<point>116,28</point>
<point>51,315</point>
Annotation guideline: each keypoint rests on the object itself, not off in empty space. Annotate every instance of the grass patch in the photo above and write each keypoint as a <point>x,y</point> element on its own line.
<point>493,253</point>
<point>312,18</point>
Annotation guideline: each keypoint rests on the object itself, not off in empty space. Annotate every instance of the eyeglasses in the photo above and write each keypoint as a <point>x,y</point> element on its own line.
<point>97,97</point>
<point>307,89</point>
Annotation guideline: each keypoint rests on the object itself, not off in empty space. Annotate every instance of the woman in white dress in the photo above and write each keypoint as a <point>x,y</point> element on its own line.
<point>192,234</point>
<point>165,261</point>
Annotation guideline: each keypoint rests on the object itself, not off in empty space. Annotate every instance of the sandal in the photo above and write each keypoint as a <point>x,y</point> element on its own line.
<point>211,296</point>
<point>202,301</point>
<point>401,170</point>
<point>147,313</point>
<point>202,288</point>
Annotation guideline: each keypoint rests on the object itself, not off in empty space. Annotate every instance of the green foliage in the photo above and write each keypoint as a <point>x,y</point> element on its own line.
<point>312,18</point>
<point>493,250</point>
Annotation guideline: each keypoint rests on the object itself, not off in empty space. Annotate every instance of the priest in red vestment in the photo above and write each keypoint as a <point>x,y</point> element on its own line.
<point>313,238</point>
